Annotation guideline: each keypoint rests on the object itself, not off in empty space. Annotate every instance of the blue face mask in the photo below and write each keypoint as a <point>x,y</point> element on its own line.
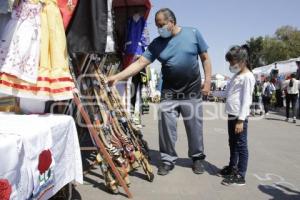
<point>164,32</point>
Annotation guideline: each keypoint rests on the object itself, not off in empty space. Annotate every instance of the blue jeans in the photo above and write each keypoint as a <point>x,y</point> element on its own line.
<point>238,146</point>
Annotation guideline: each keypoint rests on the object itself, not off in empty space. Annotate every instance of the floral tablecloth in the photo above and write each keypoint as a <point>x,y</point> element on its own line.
<point>39,154</point>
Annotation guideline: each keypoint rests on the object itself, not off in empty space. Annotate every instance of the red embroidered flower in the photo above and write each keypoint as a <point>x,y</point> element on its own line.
<point>5,189</point>
<point>45,160</point>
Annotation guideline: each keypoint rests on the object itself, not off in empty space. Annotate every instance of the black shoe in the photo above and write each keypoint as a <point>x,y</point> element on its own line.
<point>164,169</point>
<point>198,166</point>
<point>234,180</point>
<point>226,171</point>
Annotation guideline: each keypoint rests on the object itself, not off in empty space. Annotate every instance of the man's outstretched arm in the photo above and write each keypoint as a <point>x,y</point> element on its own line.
<point>130,71</point>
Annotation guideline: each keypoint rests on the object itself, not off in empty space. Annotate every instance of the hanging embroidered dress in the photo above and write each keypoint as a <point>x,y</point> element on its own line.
<point>54,81</point>
<point>20,43</point>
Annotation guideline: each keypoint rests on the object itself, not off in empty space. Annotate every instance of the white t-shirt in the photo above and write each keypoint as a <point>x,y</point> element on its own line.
<point>292,90</point>
<point>239,95</point>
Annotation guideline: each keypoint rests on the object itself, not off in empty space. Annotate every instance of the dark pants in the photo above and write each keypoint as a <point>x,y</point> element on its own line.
<point>255,104</point>
<point>279,99</point>
<point>136,82</point>
<point>291,98</point>
<point>299,105</point>
<point>238,146</point>
<point>266,101</point>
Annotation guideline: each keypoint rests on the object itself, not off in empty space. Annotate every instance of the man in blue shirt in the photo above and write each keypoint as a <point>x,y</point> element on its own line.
<point>178,50</point>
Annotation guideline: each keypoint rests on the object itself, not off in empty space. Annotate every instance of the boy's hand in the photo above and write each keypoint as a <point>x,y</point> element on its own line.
<point>239,127</point>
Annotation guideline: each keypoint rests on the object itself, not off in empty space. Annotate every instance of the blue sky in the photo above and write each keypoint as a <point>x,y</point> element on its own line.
<point>224,23</point>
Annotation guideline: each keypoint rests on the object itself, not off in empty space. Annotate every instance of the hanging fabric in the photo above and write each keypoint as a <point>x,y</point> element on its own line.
<point>110,42</point>
<point>137,39</point>
<point>19,52</point>
<point>67,8</point>
<point>87,32</point>
<point>54,80</point>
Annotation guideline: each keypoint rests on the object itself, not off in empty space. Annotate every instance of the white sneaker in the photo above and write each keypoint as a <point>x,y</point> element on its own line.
<point>294,120</point>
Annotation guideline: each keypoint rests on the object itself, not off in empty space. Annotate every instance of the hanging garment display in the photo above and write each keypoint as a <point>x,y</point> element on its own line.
<point>136,42</point>
<point>67,8</point>
<point>110,43</point>
<point>87,32</point>
<point>137,39</point>
<point>19,52</point>
<point>54,80</point>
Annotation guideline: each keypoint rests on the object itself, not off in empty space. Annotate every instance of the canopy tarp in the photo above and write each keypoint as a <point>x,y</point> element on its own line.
<point>285,68</point>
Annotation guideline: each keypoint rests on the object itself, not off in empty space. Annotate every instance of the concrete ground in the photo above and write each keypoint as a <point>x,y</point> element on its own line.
<point>273,173</point>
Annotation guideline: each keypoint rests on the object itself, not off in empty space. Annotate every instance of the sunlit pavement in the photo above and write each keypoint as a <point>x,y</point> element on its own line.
<point>273,173</point>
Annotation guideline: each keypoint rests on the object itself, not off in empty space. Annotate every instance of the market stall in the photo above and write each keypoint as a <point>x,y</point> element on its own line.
<point>285,68</point>
<point>61,64</point>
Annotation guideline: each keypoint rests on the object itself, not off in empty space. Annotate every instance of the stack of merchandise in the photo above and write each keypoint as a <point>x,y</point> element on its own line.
<point>123,141</point>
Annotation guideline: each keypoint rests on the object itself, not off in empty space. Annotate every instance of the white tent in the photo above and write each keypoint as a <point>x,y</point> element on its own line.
<point>218,77</point>
<point>219,80</point>
<point>284,67</point>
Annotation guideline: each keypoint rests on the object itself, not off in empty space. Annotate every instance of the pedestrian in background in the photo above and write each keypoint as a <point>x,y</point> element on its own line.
<point>256,107</point>
<point>267,92</point>
<point>292,86</point>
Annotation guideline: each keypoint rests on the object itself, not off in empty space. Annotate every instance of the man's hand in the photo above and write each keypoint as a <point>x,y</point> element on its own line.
<point>207,72</point>
<point>206,88</point>
<point>130,71</point>
<point>239,127</point>
<point>112,80</point>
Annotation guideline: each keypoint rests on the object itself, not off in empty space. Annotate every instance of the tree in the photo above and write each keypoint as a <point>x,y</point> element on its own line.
<point>256,48</point>
<point>291,37</point>
<point>285,44</point>
<point>274,50</point>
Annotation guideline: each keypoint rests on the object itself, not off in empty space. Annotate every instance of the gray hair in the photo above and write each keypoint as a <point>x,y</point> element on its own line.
<point>168,13</point>
<point>239,54</point>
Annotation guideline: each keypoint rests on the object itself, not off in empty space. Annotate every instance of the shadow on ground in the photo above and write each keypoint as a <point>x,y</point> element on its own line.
<point>279,192</point>
<point>274,119</point>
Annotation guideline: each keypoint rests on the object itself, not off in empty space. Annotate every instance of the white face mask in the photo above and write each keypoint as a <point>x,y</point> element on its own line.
<point>234,68</point>
<point>164,32</point>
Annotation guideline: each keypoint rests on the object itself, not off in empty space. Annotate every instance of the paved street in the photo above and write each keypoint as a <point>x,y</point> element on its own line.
<point>273,173</point>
